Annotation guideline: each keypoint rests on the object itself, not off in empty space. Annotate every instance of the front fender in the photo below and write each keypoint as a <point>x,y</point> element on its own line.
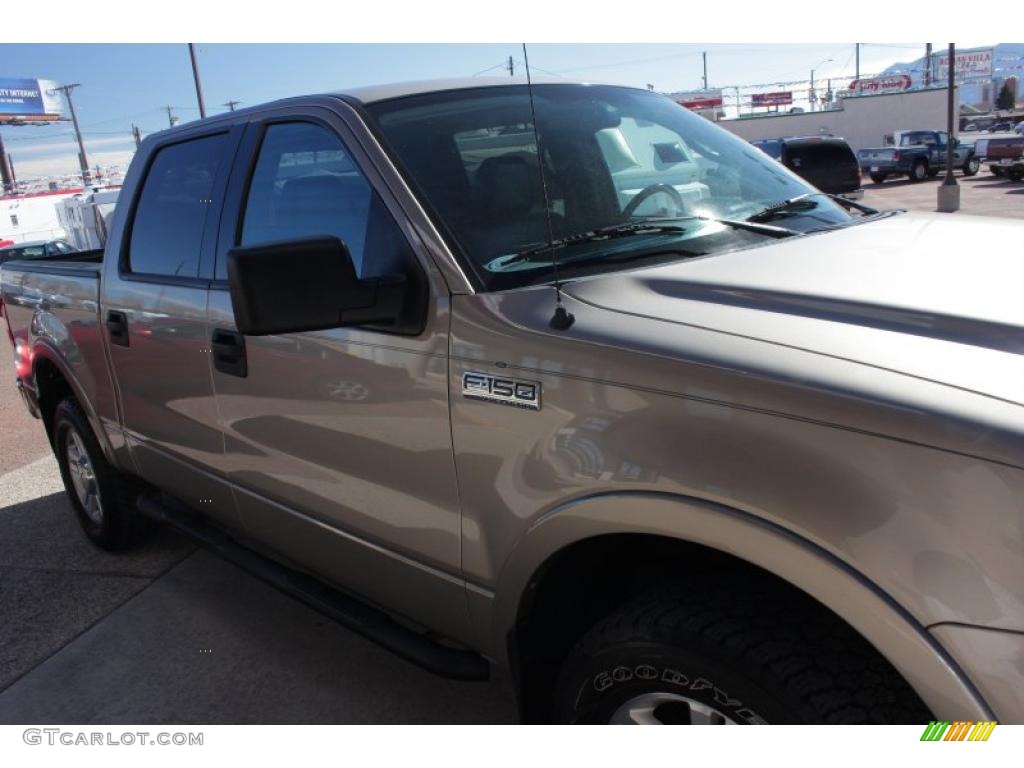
<point>907,645</point>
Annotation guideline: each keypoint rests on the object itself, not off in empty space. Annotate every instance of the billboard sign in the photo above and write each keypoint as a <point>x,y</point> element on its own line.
<point>776,99</point>
<point>972,64</point>
<point>698,100</point>
<point>887,84</point>
<point>31,99</point>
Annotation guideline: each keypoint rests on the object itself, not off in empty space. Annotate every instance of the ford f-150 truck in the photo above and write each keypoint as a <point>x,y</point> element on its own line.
<point>917,155</point>
<point>428,359</point>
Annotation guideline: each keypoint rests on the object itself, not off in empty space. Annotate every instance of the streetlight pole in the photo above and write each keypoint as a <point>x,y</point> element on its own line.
<point>199,85</point>
<point>811,95</point>
<point>83,163</point>
<point>949,190</point>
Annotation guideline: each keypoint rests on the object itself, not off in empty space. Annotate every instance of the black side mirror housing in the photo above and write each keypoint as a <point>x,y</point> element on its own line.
<point>308,284</point>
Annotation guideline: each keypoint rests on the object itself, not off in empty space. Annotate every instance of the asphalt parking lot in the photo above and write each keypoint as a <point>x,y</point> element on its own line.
<point>981,195</point>
<point>171,634</point>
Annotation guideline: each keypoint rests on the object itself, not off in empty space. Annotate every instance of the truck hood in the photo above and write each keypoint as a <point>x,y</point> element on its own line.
<point>933,296</point>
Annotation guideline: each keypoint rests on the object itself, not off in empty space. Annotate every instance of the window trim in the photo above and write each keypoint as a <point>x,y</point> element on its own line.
<point>202,280</point>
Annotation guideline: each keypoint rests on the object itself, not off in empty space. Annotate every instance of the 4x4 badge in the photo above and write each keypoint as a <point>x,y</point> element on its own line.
<point>498,389</point>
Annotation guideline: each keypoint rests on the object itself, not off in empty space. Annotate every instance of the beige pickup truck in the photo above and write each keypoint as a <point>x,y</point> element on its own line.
<point>565,379</point>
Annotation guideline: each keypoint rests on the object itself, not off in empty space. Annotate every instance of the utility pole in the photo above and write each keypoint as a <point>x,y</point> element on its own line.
<point>857,49</point>
<point>83,163</point>
<point>199,85</point>
<point>511,67</point>
<point>927,65</point>
<point>704,56</point>
<point>171,119</point>
<point>949,191</point>
<point>230,105</point>
<point>137,134</point>
<point>811,94</point>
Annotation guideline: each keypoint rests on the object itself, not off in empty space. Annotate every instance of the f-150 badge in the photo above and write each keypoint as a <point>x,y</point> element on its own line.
<point>497,389</point>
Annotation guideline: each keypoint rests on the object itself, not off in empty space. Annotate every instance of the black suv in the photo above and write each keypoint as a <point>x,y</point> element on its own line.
<point>827,162</point>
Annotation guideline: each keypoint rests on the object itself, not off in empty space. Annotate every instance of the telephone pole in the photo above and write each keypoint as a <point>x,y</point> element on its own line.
<point>857,50</point>
<point>6,172</point>
<point>171,119</point>
<point>704,56</point>
<point>137,135</point>
<point>82,161</point>
<point>927,65</point>
<point>230,105</point>
<point>511,67</point>
<point>199,85</point>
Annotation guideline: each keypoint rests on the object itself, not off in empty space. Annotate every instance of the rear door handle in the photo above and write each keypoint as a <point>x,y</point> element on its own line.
<point>117,328</point>
<point>229,352</point>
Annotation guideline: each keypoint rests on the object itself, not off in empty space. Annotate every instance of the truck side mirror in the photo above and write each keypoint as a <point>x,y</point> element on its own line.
<point>307,284</point>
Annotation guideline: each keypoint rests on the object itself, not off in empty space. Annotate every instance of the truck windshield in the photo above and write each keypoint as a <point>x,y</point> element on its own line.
<point>611,156</point>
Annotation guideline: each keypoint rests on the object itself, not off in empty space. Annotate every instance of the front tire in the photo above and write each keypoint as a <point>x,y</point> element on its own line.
<point>721,652</point>
<point>919,171</point>
<point>101,497</point>
<point>972,166</point>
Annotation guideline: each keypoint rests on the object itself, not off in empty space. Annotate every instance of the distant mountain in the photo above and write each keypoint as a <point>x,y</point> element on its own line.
<point>1007,60</point>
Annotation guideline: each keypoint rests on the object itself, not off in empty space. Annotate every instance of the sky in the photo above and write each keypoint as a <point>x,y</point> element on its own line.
<point>126,84</point>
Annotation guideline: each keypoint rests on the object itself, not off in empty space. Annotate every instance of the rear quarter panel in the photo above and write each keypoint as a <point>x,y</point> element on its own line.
<point>54,311</point>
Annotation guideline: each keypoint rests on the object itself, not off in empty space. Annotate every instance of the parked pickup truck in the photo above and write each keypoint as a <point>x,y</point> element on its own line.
<point>917,155</point>
<point>739,456</point>
<point>1004,156</point>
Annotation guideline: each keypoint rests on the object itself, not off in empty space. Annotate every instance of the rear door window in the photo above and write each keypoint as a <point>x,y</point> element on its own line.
<point>176,199</point>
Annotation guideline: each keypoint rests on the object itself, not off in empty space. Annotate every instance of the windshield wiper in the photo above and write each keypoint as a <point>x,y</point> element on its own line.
<point>595,235</point>
<point>650,226</point>
<point>782,206</point>
<point>867,210</point>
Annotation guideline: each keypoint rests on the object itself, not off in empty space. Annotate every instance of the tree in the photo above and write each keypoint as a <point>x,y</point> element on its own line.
<point>1006,97</point>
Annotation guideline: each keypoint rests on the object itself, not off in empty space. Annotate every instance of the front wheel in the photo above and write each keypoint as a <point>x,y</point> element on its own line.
<point>919,171</point>
<point>972,166</point>
<point>101,497</point>
<point>729,652</point>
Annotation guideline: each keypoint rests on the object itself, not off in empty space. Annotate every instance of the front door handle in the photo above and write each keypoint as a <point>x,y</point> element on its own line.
<point>229,352</point>
<point>117,328</point>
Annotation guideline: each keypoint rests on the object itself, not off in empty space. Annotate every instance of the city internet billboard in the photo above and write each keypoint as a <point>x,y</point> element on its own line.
<point>30,99</point>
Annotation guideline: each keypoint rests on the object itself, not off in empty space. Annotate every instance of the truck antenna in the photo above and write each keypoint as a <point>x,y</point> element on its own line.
<point>561,320</point>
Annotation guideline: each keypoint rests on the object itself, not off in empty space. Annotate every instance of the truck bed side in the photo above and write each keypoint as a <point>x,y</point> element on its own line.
<point>53,312</point>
